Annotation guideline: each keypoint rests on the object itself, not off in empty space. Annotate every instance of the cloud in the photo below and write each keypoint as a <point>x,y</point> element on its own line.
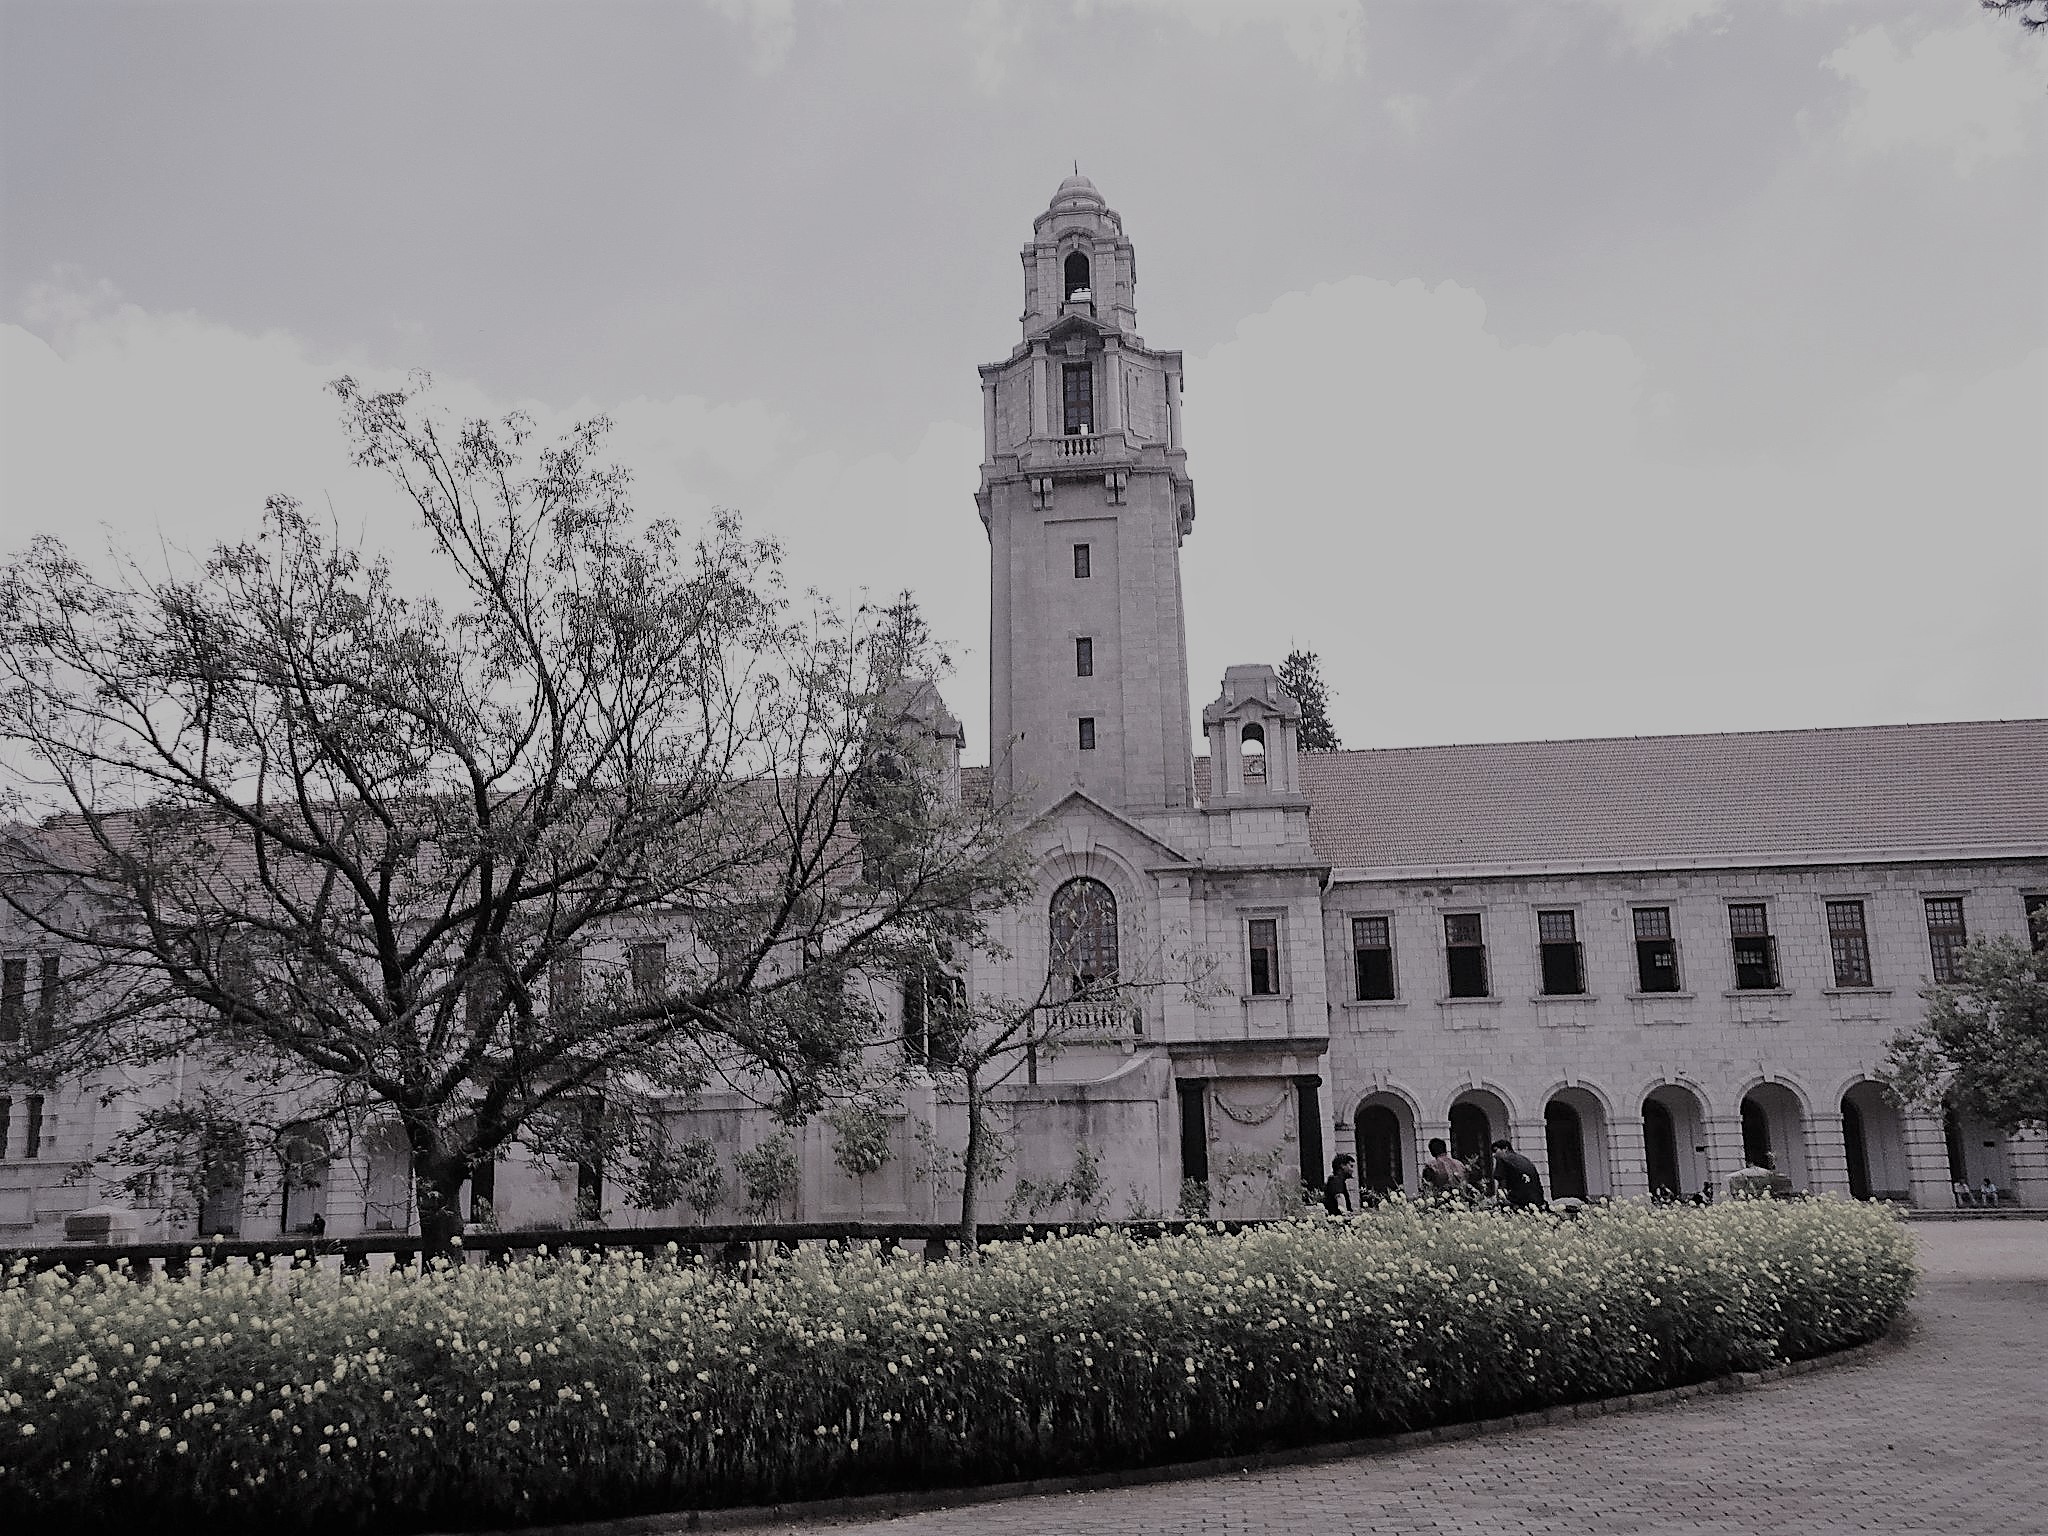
<point>164,434</point>
<point>1971,92</point>
<point>1485,540</point>
<point>771,25</point>
<point>1649,25</point>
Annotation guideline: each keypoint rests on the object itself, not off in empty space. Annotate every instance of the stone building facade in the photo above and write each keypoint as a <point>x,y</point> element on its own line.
<point>1644,960</point>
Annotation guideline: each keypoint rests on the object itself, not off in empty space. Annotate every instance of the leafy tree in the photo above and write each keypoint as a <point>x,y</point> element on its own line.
<point>1983,1047</point>
<point>1301,674</point>
<point>613,821</point>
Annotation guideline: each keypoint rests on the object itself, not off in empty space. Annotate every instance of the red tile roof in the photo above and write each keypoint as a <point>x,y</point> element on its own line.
<point>1886,791</point>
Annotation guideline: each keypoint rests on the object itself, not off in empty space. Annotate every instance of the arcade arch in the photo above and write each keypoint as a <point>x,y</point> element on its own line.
<point>1874,1139</point>
<point>1576,1142</point>
<point>1383,1135</point>
<point>1774,1121</point>
<point>1674,1142</point>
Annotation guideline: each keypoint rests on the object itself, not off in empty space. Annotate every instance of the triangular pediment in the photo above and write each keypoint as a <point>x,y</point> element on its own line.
<point>1071,325</point>
<point>1080,802</point>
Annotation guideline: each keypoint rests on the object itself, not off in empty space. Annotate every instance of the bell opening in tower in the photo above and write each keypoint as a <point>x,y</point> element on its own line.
<point>1077,276</point>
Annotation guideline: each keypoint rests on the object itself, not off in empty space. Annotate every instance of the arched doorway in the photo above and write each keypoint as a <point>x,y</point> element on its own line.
<point>1383,1131</point>
<point>1576,1139</point>
<point>1854,1151</point>
<point>1477,1120</point>
<point>1976,1152</point>
<point>1774,1121</point>
<point>1564,1139</point>
<point>1674,1142</point>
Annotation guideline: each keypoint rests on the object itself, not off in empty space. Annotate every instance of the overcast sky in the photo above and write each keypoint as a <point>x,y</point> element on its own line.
<point>1555,368</point>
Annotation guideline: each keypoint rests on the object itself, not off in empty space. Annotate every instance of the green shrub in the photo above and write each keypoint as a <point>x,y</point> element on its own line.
<point>562,1388</point>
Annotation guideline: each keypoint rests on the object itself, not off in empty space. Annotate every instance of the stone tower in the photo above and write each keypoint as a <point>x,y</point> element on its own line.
<point>1086,497</point>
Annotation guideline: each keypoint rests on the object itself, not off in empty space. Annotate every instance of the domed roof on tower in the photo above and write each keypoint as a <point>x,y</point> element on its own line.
<point>1077,189</point>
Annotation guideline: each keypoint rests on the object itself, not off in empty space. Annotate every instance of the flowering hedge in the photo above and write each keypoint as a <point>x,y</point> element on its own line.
<point>559,1389</point>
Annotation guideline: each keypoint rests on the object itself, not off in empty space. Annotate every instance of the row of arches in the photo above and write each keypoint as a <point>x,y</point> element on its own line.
<point>1582,1149</point>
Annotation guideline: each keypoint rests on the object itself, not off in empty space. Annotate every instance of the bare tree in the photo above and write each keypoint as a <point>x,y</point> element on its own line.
<point>978,1044</point>
<point>613,821</point>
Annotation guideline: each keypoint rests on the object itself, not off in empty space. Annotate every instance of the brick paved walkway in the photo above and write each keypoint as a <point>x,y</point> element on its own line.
<point>1945,1437</point>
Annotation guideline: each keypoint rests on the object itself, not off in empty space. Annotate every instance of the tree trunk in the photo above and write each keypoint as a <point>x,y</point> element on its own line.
<point>437,1176</point>
<point>970,1165</point>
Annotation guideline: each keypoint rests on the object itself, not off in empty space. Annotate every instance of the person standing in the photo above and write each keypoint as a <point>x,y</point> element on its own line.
<point>1516,1176</point>
<point>1337,1187</point>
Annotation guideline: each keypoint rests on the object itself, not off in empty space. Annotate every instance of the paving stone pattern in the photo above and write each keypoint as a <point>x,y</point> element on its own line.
<point>1947,1436</point>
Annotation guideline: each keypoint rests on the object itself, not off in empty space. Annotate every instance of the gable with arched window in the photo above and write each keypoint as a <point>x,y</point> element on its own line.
<point>1083,933</point>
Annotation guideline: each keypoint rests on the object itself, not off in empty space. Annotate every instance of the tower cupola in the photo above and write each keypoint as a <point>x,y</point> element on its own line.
<point>1254,732</point>
<point>1079,263</point>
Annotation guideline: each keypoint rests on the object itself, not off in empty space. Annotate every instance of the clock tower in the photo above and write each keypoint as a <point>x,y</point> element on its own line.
<point>1086,498</point>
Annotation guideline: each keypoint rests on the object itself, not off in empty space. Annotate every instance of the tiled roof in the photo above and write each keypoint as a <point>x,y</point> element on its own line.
<point>1637,801</point>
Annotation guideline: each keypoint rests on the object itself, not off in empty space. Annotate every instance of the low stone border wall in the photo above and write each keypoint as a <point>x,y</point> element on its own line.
<point>884,1505</point>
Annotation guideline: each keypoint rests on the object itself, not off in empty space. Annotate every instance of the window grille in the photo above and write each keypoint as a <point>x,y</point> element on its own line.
<point>1946,937</point>
<point>1083,925</point>
<point>1656,950</point>
<point>1077,398</point>
<point>1849,943</point>
<point>1755,951</point>
<point>1372,953</point>
<point>1465,954</point>
<point>1563,970</point>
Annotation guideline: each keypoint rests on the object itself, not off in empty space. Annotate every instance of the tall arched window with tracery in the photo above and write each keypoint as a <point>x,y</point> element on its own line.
<point>1084,935</point>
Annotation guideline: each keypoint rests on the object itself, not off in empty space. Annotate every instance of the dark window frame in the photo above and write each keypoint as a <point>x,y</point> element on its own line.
<point>1084,939</point>
<point>1085,733</point>
<point>1849,943</point>
<point>1560,957</point>
<point>1262,953</point>
<point>1946,939</point>
<point>13,999</point>
<point>1083,563</point>
<point>1752,948</point>
<point>1465,968</point>
<point>1084,656</point>
<point>2034,904</point>
<point>1656,952</point>
<point>1077,399</point>
<point>647,965</point>
<point>1372,958</point>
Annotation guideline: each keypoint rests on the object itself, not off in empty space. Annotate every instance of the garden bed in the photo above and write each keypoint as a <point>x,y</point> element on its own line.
<point>560,1389</point>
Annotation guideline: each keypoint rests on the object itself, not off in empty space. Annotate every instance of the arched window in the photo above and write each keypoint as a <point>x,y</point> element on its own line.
<point>1077,275</point>
<point>1251,751</point>
<point>304,1159</point>
<point>1084,934</point>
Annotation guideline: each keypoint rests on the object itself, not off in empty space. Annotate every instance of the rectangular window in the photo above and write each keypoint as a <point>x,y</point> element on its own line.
<point>1372,957</point>
<point>1084,657</point>
<point>1850,943</point>
<point>2037,923</point>
<point>1465,954</point>
<point>1077,398</point>
<point>1081,560</point>
<point>1755,951</point>
<point>1945,937</point>
<point>49,999</point>
<point>1265,940</point>
<point>1087,733</point>
<point>1558,935</point>
<point>1656,950</point>
<point>648,963</point>
<point>32,1132</point>
<point>6,1126</point>
<point>565,979</point>
<point>13,999</point>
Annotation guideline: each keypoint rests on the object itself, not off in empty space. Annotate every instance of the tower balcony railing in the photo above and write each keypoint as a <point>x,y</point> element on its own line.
<point>1079,445</point>
<point>1090,1021</point>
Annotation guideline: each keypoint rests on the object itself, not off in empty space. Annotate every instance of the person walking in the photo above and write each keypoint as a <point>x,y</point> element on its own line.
<point>1337,1187</point>
<point>1443,1174</point>
<point>1517,1177</point>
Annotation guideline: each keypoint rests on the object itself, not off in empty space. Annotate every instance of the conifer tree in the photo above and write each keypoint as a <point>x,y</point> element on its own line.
<point>1302,675</point>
